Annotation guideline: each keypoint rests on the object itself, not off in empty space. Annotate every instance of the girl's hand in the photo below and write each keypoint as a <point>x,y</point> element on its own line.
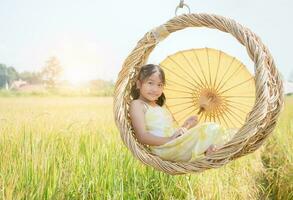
<point>178,133</point>
<point>190,122</point>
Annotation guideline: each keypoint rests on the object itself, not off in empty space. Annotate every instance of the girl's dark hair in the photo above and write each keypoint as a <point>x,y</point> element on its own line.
<point>145,72</point>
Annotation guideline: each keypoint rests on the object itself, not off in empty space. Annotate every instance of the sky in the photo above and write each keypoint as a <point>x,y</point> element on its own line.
<point>93,38</point>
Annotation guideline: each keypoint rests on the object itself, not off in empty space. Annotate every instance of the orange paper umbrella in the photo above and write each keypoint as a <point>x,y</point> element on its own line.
<point>210,83</point>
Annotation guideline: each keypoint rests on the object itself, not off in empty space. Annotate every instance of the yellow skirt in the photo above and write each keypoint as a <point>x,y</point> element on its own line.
<point>192,144</point>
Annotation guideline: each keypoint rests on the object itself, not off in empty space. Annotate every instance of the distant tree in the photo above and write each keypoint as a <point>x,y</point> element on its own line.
<point>31,77</point>
<point>12,74</point>
<point>7,75</point>
<point>102,87</point>
<point>51,72</point>
<point>3,75</point>
<point>291,76</point>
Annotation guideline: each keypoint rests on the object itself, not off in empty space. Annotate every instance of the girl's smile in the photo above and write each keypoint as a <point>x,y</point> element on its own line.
<point>151,89</point>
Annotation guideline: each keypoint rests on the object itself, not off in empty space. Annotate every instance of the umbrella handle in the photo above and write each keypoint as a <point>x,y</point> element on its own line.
<point>205,101</point>
<point>201,110</point>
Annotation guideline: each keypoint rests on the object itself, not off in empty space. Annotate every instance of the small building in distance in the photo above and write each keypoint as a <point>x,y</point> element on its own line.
<point>15,85</point>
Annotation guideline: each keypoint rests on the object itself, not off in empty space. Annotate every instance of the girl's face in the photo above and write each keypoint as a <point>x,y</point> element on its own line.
<point>151,88</point>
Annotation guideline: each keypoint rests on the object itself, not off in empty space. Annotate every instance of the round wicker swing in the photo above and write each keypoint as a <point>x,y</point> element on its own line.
<point>259,123</point>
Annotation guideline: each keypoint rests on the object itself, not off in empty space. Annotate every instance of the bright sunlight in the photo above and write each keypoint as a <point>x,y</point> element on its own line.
<point>76,76</point>
<point>80,59</point>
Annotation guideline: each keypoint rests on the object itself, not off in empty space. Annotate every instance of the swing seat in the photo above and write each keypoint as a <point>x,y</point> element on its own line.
<point>254,127</point>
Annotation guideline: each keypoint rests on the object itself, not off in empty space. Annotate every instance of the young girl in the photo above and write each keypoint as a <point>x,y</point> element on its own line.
<point>153,123</point>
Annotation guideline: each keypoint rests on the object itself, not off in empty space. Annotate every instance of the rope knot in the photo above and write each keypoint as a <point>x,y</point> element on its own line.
<point>160,33</point>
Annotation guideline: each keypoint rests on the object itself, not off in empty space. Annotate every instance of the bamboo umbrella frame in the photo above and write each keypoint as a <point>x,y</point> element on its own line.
<point>260,121</point>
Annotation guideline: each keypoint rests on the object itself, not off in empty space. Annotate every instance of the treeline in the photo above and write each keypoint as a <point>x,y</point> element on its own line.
<point>10,74</point>
<point>49,78</point>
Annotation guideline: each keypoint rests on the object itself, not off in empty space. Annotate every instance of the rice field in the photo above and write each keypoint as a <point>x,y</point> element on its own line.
<point>70,148</point>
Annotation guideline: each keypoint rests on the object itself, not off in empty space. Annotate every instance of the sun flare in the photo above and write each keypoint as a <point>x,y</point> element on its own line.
<point>76,77</point>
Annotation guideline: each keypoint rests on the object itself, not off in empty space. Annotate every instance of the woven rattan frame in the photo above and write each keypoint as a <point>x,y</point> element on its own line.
<point>260,122</point>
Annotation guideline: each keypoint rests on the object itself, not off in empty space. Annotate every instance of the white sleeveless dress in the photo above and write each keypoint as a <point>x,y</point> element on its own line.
<point>189,146</point>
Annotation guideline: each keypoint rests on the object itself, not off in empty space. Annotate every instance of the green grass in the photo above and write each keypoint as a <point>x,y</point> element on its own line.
<point>70,148</point>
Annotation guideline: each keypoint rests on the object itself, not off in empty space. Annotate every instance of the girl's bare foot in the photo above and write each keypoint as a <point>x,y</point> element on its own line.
<point>212,148</point>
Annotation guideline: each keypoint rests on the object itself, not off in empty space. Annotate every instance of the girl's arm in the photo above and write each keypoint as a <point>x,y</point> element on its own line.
<point>137,119</point>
